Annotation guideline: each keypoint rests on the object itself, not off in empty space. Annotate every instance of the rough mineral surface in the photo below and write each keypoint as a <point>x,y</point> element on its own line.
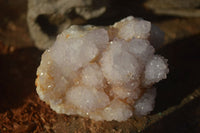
<point>104,73</point>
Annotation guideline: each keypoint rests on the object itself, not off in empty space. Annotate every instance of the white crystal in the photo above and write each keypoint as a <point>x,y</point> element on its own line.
<point>146,103</point>
<point>131,27</point>
<point>118,64</point>
<point>92,76</point>
<point>117,110</point>
<point>156,69</point>
<point>104,73</point>
<point>87,99</point>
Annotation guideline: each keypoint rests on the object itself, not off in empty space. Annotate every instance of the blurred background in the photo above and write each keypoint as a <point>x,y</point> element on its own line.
<point>28,27</point>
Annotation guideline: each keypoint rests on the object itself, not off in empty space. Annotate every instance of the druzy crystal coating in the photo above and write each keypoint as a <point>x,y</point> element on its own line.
<point>103,73</point>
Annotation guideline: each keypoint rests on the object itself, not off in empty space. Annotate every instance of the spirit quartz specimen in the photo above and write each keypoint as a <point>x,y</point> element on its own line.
<point>104,73</point>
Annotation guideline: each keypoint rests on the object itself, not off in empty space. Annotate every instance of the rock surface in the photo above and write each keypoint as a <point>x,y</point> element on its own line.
<point>102,73</point>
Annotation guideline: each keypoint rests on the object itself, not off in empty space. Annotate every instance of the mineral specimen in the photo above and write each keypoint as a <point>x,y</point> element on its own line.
<point>104,73</point>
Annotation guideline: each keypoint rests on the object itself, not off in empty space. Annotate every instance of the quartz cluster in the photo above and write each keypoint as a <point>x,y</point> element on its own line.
<point>104,73</point>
